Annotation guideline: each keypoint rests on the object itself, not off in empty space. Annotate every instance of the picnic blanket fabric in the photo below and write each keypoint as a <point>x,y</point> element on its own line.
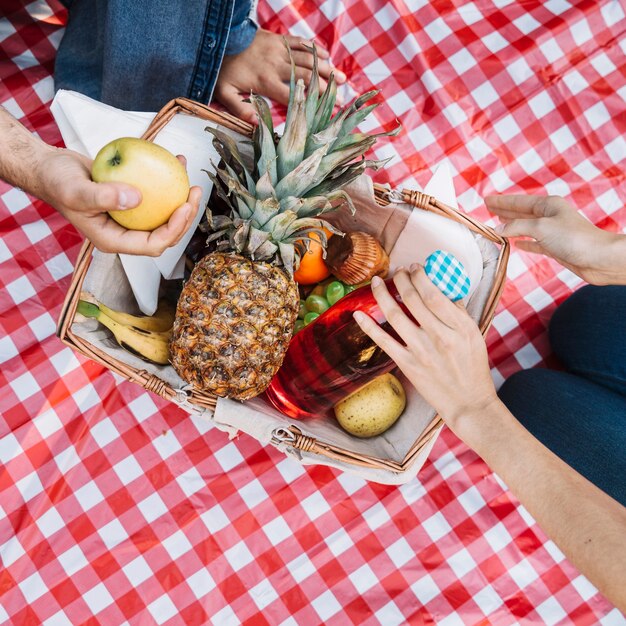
<point>118,508</point>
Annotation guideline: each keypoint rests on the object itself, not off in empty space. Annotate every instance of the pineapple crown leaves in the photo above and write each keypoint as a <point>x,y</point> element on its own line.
<point>228,151</point>
<point>276,204</point>
<point>290,149</point>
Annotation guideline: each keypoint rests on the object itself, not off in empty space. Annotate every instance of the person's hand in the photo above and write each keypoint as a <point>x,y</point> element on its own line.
<point>557,230</point>
<point>264,68</point>
<point>65,183</point>
<point>445,357</point>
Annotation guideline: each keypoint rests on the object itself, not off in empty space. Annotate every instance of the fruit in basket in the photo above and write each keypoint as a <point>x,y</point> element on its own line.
<point>357,257</point>
<point>161,321</point>
<point>322,297</point>
<point>372,409</point>
<point>316,304</point>
<point>312,268</point>
<point>320,288</point>
<point>156,172</point>
<point>147,344</point>
<point>311,316</point>
<point>334,292</point>
<point>236,313</point>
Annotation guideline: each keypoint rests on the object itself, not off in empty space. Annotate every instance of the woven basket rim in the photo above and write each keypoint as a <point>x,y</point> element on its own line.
<point>199,401</point>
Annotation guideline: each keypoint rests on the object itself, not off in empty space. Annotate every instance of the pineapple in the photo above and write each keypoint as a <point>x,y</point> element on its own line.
<point>236,313</point>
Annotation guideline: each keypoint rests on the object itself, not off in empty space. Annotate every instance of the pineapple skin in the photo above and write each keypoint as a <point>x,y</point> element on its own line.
<point>234,321</point>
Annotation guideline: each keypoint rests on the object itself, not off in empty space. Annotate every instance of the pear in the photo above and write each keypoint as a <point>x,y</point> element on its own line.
<point>372,409</point>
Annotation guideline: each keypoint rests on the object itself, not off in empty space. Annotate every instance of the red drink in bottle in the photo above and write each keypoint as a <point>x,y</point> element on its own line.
<point>330,358</point>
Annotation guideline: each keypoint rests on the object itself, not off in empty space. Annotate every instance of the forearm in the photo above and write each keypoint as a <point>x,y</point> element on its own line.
<point>21,155</point>
<point>588,525</point>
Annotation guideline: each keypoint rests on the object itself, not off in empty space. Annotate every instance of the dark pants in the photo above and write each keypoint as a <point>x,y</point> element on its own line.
<point>580,414</point>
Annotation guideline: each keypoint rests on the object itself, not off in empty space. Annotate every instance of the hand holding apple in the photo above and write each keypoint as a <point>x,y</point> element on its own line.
<point>64,181</point>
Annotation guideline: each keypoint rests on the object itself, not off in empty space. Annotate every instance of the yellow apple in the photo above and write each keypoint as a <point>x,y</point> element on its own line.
<point>155,171</point>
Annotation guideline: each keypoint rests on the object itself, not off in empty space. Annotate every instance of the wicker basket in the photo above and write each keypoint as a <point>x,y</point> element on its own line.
<point>291,437</point>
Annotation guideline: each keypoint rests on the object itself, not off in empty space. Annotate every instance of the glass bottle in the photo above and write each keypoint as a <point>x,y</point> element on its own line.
<point>331,357</point>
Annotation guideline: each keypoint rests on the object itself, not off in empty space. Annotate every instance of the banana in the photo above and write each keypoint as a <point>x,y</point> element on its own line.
<point>150,345</point>
<point>161,321</point>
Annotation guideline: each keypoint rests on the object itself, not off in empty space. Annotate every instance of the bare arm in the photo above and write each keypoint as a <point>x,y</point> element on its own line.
<point>62,178</point>
<point>446,359</point>
<point>587,524</point>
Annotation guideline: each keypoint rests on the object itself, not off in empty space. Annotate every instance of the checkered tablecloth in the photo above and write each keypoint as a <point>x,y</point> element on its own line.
<point>117,508</point>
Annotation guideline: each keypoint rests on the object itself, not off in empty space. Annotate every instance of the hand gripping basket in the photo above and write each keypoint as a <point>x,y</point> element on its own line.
<point>388,461</point>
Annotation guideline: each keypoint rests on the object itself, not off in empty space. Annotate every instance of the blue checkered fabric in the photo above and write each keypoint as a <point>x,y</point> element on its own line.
<point>448,273</point>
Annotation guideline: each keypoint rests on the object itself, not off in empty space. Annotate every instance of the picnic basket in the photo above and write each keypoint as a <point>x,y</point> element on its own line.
<point>291,437</point>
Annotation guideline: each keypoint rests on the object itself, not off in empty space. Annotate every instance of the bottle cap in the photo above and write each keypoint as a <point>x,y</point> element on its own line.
<point>448,273</point>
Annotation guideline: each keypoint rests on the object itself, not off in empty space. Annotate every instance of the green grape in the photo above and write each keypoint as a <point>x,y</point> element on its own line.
<point>310,316</point>
<point>316,304</point>
<point>350,288</point>
<point>299,325</point>
<point>334,292</point>
<point>303,310</point>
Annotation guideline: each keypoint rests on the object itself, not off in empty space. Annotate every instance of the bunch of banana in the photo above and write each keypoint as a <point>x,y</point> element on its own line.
<point>160,322</point>
<point>147,337</point>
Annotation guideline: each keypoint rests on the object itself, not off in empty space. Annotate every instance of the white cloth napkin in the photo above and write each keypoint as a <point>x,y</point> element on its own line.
<point>86,125</point>
<point>426,232</point>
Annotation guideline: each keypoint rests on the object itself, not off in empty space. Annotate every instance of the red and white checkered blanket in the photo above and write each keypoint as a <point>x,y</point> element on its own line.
<point>117,508</point>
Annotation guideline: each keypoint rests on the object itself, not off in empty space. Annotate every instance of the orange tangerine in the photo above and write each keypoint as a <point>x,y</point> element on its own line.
<point>312,267</point>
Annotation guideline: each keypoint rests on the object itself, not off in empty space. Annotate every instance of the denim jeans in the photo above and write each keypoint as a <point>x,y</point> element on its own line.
<point>580,413</point>
<point>139,55</point>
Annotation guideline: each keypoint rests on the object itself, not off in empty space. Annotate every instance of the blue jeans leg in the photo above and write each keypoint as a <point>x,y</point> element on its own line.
<point>588,334</point>
<point>581,422</point>
<point>581,414</point>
